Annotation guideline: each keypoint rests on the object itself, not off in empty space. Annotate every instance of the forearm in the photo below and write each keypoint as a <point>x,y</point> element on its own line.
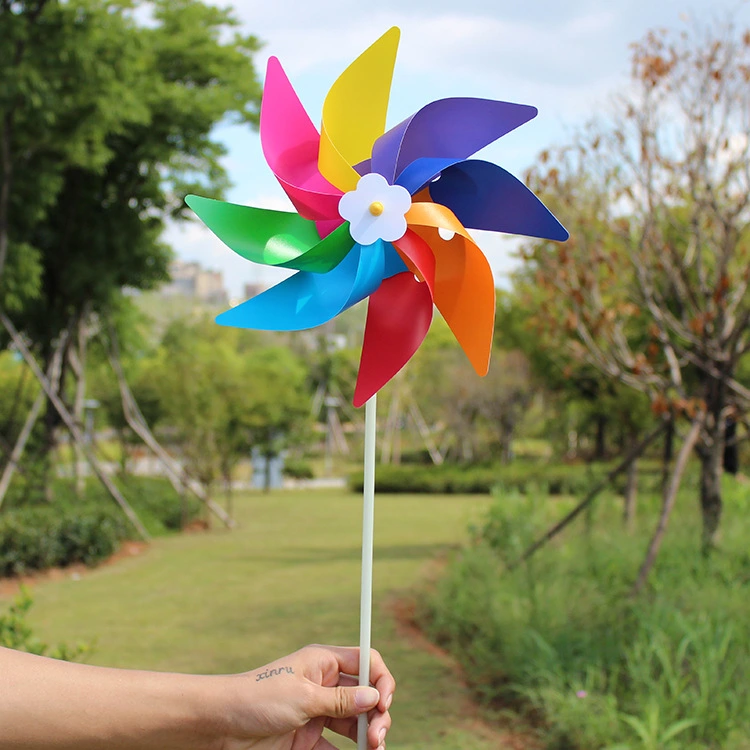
<point>45,703</point>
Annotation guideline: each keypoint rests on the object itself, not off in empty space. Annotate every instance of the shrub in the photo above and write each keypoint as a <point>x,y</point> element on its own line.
<point>37,538</point>
<point>603,670</point>
<point>521,477</point>
<point>159,505</point>
<point>298,469</point>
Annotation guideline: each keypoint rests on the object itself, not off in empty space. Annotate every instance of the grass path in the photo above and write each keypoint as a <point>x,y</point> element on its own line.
<point>230,601</point>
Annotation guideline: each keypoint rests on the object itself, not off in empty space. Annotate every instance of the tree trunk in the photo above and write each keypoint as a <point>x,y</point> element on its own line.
<point>54,377</point>
<point>670,495</point>
<point>600,447</point>
<point>78,365</point>
<point>228,493</point>
<point>267,476</point>
<point>71,425</point>
<point>631,494</point>
<point>6,168</point>
<point>711,502</point>
<point>731,449</point>
<point>668,453</point>
<point>711,454</point>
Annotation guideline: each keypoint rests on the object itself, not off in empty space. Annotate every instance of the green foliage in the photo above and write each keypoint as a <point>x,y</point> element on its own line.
<point>38,538</point>
<point>603,670</point>
<point>520,477</point>
<point>39,535</point>
<point>160,507</point>
<point>298,469</point>
<point>16,632</point>
<point>222,401</point>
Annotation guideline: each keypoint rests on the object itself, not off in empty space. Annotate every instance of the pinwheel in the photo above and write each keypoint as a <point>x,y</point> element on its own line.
<point>380,215</point>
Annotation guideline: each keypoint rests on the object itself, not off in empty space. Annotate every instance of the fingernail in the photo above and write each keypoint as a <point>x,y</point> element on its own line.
<point>381,736</point>
<point>366,697</point>
<point>389,701</point>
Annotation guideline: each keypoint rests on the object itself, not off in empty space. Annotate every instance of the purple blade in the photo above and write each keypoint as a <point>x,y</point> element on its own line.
<point>419,173</point>
<point>446,129</point>
<point>485,196</point>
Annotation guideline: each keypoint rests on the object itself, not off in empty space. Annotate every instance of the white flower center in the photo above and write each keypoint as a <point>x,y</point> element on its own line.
<point>375,210</point>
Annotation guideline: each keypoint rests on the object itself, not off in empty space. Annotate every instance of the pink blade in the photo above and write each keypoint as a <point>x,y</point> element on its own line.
<point>290,144</point>
<point>399,314</point>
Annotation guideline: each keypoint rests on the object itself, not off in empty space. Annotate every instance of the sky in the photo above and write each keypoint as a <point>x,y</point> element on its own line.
<point>566,58</point>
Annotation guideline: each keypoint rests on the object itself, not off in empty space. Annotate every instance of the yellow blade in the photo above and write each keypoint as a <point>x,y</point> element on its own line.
<point>354,111</point>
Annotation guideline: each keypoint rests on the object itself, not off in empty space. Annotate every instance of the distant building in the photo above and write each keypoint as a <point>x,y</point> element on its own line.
<point>254,288</point>
<point>191,280</point>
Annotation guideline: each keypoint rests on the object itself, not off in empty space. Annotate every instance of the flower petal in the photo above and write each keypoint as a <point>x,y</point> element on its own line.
<point>307,300</point>
<point>447,129</point>
<point>485,196</point>
<point>399,314</point>
<point>354,111</point>
<point>290,144</point>
<point>464,287</point>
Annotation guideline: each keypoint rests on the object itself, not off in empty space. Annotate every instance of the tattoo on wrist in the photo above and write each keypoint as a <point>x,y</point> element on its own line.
<point>273,673</point>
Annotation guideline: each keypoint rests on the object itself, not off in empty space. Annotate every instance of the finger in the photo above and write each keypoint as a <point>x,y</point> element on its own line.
<point>344,727</point>
<point>382,679</point>
<point>346,680</point>
<point>380,675</point>
<point>376,733</point>
<point>340,702</point>
<point>323,744</point>
<point>380,723</point>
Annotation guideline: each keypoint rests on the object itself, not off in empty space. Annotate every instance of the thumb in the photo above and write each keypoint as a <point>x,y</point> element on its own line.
<point>342,702</point>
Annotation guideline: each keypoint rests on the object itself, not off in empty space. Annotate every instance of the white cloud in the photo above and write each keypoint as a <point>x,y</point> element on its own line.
<point>565,58</point>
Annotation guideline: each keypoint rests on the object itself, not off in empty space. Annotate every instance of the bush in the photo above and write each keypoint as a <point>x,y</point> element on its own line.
<point>36,538</point>
<point>39,536</point>
<point>519,477</point>
<point>159,505</point>
<point>560,634</point>
<point>298,469</point>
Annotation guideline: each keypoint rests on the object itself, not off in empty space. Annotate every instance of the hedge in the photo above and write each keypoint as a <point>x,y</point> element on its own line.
<point>39,538</point>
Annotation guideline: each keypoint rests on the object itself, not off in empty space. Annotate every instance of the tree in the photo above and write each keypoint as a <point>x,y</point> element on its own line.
<point>651,290</point>
<point>222,403</point>
<point>108,124</point>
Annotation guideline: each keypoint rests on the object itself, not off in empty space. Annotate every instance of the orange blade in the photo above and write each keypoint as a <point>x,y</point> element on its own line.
<point>464,287</point>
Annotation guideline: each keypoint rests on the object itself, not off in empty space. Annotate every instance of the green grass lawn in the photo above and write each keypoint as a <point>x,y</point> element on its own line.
<point>229,601</point>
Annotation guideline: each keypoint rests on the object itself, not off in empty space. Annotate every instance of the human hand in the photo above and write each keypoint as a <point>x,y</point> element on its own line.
<point>287,704</point>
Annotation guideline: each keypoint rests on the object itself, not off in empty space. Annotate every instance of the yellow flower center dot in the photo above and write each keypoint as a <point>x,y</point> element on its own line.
<point>376,208</point>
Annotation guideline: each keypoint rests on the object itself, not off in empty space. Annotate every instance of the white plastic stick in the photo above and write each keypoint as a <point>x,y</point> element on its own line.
<point>368,518</point>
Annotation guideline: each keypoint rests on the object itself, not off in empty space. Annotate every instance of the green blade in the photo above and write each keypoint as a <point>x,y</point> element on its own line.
<point>326,254</point>
<point>261,235</point>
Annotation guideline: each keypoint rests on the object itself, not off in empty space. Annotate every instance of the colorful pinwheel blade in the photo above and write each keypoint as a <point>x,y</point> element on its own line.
<point>325,254</point>
<point>418,257</point>
<point>485,196</point>
<point>399,314</point>
<point>258,234</point>
<point>290,144</point>
<point>307,300</point>
<point>354,111</point>
<point>464,287</point>
<point>449,129</point>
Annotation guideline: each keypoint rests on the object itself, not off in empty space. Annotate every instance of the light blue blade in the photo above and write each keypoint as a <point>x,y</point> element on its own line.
<point>307,300</point>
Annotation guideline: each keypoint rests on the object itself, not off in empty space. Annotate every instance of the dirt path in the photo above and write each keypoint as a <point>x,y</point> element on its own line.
<point>506,734</point>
